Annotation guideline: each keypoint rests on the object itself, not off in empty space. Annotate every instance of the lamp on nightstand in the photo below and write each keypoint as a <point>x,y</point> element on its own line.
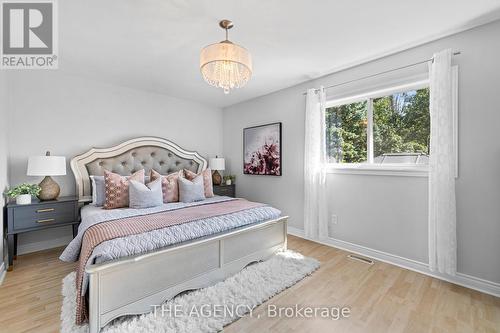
<point>217,164</point>
<point>47,166</point>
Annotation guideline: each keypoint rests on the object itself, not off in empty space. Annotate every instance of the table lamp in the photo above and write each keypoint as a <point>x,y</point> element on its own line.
<point>47,166</point>
<point>217,164</point>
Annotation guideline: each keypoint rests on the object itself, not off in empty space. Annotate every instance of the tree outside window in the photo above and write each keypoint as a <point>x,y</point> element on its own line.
<point>400,132</point>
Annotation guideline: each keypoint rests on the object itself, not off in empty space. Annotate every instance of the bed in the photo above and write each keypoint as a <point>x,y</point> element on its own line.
<point>171,266</point>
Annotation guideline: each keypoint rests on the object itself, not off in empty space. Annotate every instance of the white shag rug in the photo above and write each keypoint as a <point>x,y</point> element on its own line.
<point>194,311</point>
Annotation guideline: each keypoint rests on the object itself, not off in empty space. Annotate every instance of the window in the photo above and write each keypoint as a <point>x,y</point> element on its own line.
<point>346,138</point>
<point>382,128</point>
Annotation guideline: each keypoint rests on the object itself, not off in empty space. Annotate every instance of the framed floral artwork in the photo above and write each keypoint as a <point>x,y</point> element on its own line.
<point>262,150</point>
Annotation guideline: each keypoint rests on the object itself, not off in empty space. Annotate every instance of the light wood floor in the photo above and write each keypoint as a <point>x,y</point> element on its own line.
<point>382,298</point>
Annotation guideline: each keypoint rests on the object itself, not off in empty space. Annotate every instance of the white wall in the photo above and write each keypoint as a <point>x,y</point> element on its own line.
<point>68,115</point>
<point>389,213</point>
<point>3,156</point>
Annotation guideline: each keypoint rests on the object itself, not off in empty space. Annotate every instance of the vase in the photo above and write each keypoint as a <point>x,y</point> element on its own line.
<point>23,199</point>
<point>50,189</point>
<point>228,182</point>
<point>216,178</point>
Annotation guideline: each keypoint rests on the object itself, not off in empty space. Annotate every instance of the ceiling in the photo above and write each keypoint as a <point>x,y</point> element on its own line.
<point>154,45</point>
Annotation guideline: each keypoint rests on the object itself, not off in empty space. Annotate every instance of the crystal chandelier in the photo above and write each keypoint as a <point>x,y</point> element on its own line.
<point>226,65</point>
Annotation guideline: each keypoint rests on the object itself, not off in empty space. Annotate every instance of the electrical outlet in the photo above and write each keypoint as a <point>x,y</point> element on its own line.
<point>334,219</point>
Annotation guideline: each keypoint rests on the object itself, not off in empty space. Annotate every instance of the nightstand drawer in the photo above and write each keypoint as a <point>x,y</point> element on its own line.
<point>40,215</point>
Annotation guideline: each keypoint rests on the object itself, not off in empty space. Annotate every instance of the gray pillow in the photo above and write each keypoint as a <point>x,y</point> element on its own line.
<point>145,195</point>
<point>99,190</point>
<point>190,191</point>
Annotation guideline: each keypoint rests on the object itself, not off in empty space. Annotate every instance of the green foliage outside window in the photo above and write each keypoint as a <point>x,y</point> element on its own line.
<point>346,133</point>
<point>401,124</point>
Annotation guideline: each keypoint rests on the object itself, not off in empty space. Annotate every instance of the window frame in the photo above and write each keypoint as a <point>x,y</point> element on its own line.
<point>370,168</point>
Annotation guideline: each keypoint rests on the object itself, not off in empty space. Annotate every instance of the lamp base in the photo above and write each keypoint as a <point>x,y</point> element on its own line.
<point>216,178</point>
<point>50,189</point>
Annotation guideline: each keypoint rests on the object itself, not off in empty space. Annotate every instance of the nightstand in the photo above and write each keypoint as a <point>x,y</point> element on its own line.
<point>227,190</point>
<point>37,216</point>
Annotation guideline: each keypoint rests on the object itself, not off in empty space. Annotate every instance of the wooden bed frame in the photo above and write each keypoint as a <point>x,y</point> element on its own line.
<point>133,285</point>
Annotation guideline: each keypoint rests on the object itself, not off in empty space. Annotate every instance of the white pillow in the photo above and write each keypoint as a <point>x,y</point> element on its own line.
<point>145,195</point>
<point>190,191</point>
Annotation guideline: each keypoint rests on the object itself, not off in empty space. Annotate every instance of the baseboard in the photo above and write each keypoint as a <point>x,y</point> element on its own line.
<point>44,245</point>
<point>2,272</point>
<point>464,280</point>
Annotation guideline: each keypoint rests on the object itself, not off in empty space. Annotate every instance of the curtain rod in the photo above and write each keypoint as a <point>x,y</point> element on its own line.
<point>380,73</point>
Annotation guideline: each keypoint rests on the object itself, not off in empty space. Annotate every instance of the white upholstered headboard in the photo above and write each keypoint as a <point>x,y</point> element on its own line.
<point>126,158</point>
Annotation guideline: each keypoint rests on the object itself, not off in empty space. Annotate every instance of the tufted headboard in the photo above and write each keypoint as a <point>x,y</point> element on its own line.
<point>142,153</point>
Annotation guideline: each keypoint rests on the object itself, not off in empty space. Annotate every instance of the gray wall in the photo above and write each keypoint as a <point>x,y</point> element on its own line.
<point>3,153</point>
<point>389,213</point>
<point>68,115</point>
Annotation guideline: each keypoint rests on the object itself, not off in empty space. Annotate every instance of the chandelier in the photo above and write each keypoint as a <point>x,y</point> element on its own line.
<point>226,65</point>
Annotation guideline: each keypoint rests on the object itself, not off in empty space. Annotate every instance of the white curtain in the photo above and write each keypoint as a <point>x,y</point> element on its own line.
<point>442,205</point>
<point>315,208</point>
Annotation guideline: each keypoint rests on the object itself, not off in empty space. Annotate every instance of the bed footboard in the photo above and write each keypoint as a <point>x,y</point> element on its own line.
<point>134,284</point>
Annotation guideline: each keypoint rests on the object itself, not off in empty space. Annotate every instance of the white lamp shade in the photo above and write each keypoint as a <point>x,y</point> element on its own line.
<point>46,166</point>
<point>217,163</point>
<point>226,65</point>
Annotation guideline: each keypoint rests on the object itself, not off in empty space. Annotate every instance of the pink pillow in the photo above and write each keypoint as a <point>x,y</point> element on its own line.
<point>116,188</point>
<point>207,180</point>
<point>169,185</point>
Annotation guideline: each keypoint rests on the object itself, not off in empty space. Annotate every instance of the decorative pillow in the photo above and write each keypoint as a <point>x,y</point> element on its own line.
<point>117,188</point>
<point>190,191</point>
<point>145,195</point>
<point>207,180</point>
<point>169,184</point>
<point>99,190</point>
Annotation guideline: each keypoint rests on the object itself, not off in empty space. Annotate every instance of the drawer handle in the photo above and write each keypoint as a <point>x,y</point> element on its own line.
<point>45,221</point>
<point>45,210</point>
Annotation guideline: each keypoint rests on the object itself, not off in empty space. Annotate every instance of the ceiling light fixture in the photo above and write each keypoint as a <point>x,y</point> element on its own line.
<point>226,65</point>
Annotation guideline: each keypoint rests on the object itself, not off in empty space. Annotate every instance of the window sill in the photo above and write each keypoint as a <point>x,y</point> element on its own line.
<point>379,170</point>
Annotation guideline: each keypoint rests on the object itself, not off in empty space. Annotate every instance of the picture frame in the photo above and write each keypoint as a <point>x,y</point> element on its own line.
<point>262,150</point>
